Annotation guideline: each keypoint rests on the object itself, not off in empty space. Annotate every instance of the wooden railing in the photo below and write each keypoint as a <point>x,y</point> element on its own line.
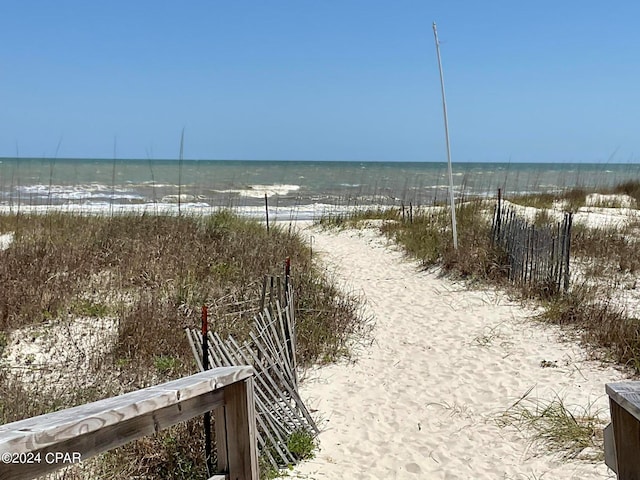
<point>37,445</point>
<point>622,436</point>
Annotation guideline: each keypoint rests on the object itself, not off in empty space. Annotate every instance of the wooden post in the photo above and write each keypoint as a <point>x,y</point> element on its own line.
<point>499,213</point>
<point>266,210</point>
<point>241,433</point>
<point>271,288</point>
<point>287,273</point>
<point>567,252</point>
<point>263,294</point>
<point>624,402</point>
<point>222,452</point>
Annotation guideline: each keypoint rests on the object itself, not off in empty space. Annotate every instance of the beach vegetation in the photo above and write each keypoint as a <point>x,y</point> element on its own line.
<point>629,187</point>
<point>535,200</point>
<point>359,218</point>
<point>90,308</point>
<point>569,431</point>
<point>165,364</point>
<point>605,261</point>
<point>152,274</point>
<point>267,470</point>
<point>302,445</point>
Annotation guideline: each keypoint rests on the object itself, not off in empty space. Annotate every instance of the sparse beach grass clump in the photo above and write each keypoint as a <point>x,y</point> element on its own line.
<point>558,427</point>
<point>147,277</point>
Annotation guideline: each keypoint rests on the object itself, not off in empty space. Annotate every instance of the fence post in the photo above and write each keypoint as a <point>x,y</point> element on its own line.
<point>568,221</point>
<point>241,431</point>
<point>623,446</point>
<point>287,272</point>
<point>266,210</point>
<point>498,214</point>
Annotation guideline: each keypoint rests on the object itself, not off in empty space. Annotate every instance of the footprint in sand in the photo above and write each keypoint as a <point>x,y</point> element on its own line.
<point>413,468</point>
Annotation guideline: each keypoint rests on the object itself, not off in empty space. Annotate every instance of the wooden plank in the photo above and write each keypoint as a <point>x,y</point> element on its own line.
<point>265,381</point>
<point>610,448</point>
<point>129,405</point>
<point>100,426</point>
<point>197,353</point>
<point>218,345</point>
<point>278,343</point>
<point>271,289</point>
<point>290,389</point>
<point>220,432</point>
<point>263,293</point>
<point>272,430</point>
<point>285,343</point>
<point>262,444</point>
<point>627,395</point>
<point>290,317</point>
<point>88,444</point>
<point>626,433</point>
<point>213,352</point>
<point>241,430</point>
<point>567,253</point>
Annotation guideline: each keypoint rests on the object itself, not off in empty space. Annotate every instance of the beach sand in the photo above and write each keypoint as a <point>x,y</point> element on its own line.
<point>422,398</point>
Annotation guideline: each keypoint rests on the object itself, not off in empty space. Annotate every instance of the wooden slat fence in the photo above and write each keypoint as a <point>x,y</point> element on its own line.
<point>538,256</point>
<point>271,350</point>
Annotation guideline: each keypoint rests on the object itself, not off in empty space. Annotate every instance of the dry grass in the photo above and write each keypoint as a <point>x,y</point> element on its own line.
<point>608,259</point>
<point>429,239</point>
<point>573,199</point>
<point>570,431</point>
<point>152,273</point>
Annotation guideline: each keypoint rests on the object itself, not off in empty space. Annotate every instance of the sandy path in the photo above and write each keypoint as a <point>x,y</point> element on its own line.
<point>421,400</point>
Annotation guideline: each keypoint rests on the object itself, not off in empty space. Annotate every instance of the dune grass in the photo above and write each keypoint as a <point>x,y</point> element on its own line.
<point>590,308</point>
<point>558,427</point>
<point>604,261</point>
<point>151,274</point>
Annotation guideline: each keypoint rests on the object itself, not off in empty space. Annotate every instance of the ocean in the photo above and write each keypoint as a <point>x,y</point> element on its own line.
<point>302,189</point>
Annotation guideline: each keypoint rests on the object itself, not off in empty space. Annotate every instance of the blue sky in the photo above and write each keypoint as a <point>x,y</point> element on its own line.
<point>320,79</point>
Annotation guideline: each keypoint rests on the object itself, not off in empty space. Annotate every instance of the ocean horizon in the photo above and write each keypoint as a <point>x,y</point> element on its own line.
<point>303,187</point>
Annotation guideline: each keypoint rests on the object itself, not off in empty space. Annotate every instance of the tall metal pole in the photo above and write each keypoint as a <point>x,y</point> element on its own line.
<point>446,132</point>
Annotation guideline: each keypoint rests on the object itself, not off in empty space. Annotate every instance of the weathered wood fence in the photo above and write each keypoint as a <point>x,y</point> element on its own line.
<point>537,255</point>
<point>35,446</point>
<point>622,435</point>
<point>271,349</point>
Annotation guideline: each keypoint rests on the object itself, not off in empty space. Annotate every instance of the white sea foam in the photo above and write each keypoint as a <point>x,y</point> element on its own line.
<point>310,211</point>
<point>78,192</point>
<point>259,191</point>
<point>182,198</point>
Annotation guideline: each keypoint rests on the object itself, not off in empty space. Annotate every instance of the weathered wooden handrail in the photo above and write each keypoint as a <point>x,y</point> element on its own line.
<point>622,436</point>
<point>37,445</point>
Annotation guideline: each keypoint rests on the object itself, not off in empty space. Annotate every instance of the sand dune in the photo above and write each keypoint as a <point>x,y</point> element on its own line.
<point>421,401</point>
